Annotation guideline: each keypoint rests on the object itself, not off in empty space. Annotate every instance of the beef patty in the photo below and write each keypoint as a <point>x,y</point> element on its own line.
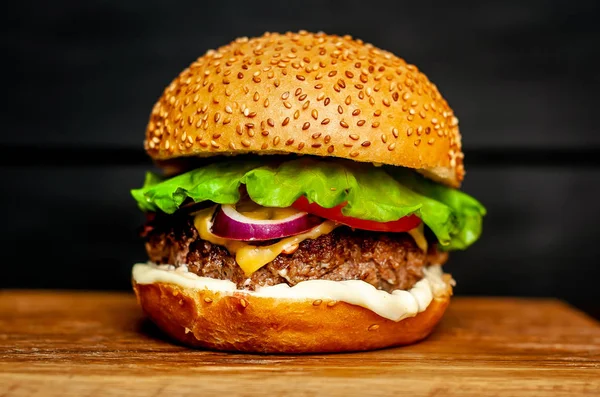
<point>387,261</point>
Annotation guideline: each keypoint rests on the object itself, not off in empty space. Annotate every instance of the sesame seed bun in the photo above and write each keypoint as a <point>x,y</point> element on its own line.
<point>313,94</point>
<point>242,322</point>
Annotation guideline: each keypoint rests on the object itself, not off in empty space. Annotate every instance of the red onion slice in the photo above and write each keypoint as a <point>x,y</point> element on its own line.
<point>231,224</point>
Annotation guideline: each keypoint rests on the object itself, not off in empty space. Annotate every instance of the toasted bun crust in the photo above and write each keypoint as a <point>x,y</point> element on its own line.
<point>312,94</point>
<point>241,322</point>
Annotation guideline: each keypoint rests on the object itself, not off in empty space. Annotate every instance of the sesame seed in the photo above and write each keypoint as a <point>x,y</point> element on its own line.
<point>330,149</point>
<point>256,97</point>
<point>375,124</point>
<point>300,77</point>
<point>285,121</point>
<point>354,137</point>
<point>208,300</point>
<point>409,131</point>
<point>305,126</point>
<point>216,135</point>
<point>340,109</point>
<point>386,102</point>
<point>431,141</point>
<point>392,146</point>
<point>360,123</point>
<point>314,114</point>
<point>316,145</point>
<point>256,79</point>
<point>325,121</point>
<point>301,146</point>
<point>417,142</point>
<point>326,102</point>
<point>289,141</point>
<point>296,114</point>
<point>373,327</point>
<point>365,144</point>
<point>276,141</point>
<point>264,133</point>
<point>270,122</point>
<point>317,302</point>
<point>332,73</point>
<point>318,86</point>
<point>344,124</point>
<point>245,143</point>
<point>244,303</point>
<point>214,144</point>
<point>349,74</point>
<point>356,112</point>
<point>353,154</point>
<point>302,97</point>
<point>287,104</point>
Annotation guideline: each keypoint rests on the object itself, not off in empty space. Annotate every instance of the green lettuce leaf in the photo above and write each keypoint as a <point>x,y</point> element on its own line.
<point>371,193</point>
<point>468,211</point>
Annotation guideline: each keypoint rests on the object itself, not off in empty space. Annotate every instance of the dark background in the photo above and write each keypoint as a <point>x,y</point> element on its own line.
<point>80,79</point>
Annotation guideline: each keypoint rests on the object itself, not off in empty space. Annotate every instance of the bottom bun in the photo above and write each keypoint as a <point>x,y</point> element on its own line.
<point>248,323</point>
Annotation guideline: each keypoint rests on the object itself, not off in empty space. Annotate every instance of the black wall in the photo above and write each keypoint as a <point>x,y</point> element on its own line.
<point>523,77</point>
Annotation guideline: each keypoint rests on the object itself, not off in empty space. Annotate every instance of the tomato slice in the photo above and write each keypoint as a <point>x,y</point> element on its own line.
<point>335,214</point>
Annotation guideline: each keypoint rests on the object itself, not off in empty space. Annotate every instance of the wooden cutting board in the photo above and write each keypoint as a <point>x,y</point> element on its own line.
<point>84,344</point>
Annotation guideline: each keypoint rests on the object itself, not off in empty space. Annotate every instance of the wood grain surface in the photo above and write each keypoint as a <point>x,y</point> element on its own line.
<point>85,344</point>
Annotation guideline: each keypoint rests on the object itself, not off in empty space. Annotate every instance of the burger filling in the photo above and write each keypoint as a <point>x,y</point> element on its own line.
<point>260,224</point>
<point>388,261</point>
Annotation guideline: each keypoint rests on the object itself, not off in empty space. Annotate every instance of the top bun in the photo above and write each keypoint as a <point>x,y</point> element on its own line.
<point>312,94</point>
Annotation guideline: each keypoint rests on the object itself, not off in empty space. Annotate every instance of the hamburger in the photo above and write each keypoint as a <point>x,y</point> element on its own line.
<point>307,199</point>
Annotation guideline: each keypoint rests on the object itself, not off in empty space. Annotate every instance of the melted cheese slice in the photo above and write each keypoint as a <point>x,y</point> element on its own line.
<point>419,236</point>
<point>252,257</point>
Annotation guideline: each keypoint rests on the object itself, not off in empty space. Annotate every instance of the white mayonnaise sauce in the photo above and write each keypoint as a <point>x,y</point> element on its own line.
<point>395,306</point>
